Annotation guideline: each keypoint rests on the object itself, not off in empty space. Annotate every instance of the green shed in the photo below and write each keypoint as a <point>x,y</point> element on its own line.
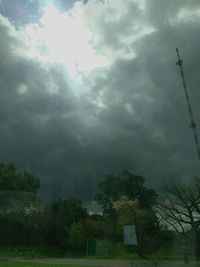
<point>99,247</point>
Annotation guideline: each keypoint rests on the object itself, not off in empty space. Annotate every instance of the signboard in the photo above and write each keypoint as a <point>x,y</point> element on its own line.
<point>130,235</point>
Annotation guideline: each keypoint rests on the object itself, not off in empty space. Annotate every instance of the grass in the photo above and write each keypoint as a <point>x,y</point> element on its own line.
<point>38,265</point>
<point>28,252</point>
<point>118,253</point>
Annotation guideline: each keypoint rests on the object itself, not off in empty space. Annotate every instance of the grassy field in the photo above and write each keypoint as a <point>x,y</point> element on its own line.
<point>30,252</point>
<point>37,265</point>
<point>51,253</point>
<point>119,253</point>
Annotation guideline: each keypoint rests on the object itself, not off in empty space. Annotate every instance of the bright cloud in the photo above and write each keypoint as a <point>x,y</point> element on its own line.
<point>77,39</point>
<point>63,38</point>
<point>186,14</point>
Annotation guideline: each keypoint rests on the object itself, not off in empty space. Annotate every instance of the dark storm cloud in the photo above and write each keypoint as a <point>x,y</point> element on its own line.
<point>39,128</point>
<point>134,116</point>
<point>160,12</point>
<point>154,136</point>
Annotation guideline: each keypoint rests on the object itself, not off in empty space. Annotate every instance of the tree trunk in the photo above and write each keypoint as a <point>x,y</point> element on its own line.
<point>197,244</point>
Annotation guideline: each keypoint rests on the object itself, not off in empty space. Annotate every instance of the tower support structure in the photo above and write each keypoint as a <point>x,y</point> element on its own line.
<point>192,122</point>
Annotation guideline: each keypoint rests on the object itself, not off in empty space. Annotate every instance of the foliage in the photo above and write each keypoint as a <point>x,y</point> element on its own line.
<point>29,183</point>
<point>95,227</point>
<point>19,214</point>
<point>127,210</point>
<point>58,217</point>
<point>10,180</point>
<point>22,219</point>
<point>145,221</point>
<point>77,238</point>
<point>125,184</point>
<point>126,200</point>
<point>65,224</point>
<point>17,190</point>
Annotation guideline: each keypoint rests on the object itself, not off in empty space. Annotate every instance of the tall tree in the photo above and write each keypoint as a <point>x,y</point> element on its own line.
<point>59,216</point>
<point>16,189</point>
<point>11,180</point>
<point>145,221</point>
<point>18,211</point>
<point>180,208</point>
<point>134,203</point>
<point>124,184</point>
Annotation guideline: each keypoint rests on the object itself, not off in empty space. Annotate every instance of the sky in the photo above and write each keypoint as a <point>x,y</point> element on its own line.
<point>89,88</point>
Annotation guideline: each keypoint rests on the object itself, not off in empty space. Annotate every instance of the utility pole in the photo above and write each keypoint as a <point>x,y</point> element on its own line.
<point>193,124</point>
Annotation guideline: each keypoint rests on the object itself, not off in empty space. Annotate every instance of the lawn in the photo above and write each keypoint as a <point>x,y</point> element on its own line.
<point>2,264</point>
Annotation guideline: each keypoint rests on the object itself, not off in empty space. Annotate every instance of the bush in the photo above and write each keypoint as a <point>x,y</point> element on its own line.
<point>77,238</point>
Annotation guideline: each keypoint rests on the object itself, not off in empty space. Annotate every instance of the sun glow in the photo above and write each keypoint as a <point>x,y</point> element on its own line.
<point>64,38</point>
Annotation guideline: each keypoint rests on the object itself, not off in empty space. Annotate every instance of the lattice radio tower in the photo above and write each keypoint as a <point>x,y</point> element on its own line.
<point>193,124</point>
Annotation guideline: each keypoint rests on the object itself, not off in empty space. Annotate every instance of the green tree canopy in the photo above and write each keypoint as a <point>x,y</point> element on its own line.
<point>124,184</point>
<point>17,190</point>
<point>59,216</point>
<point>77,238</point>
<point>11,180</point>
<point>145,221</point>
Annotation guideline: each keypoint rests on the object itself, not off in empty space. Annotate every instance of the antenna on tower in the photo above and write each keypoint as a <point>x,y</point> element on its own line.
<point>193,124</point>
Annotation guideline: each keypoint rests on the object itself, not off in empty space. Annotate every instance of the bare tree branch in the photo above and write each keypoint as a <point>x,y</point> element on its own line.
<point>181,208</point>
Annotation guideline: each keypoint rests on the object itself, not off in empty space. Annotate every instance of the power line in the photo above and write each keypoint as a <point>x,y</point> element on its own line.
<point>193,124</point>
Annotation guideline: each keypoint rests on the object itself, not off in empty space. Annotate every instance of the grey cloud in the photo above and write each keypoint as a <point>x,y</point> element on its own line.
<point>162,145</point>
<point>38,128</point>
<point>159,13</point>
<point>71,142</point>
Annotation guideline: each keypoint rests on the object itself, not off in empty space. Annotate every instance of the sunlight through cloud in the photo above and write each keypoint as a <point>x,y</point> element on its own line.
<point>67,40</point>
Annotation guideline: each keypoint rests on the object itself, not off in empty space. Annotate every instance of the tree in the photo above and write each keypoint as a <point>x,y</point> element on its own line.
<point>77,238</point>
<point>127,210</point>
<point>145,221</point>
<point>17,190</point>
<point>11,180</point>
<point>125,184</point>
<point>180,208</point>
<point>18,213</point>
<point>95,226</point>
<point>128,192</point>
<point>59,216</point>
<point>29,183</point>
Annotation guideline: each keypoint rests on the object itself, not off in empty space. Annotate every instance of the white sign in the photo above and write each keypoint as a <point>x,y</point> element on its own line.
<point>130,235</point>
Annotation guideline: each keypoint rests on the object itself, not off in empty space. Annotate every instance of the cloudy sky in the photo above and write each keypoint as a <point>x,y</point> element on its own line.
<point>91,87</point>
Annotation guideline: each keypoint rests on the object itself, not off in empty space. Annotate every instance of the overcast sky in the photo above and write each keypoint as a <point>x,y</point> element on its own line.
<point>90,88</point>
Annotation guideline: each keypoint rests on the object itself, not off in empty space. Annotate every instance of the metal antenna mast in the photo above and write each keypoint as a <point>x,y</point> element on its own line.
<point>193,124</point>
